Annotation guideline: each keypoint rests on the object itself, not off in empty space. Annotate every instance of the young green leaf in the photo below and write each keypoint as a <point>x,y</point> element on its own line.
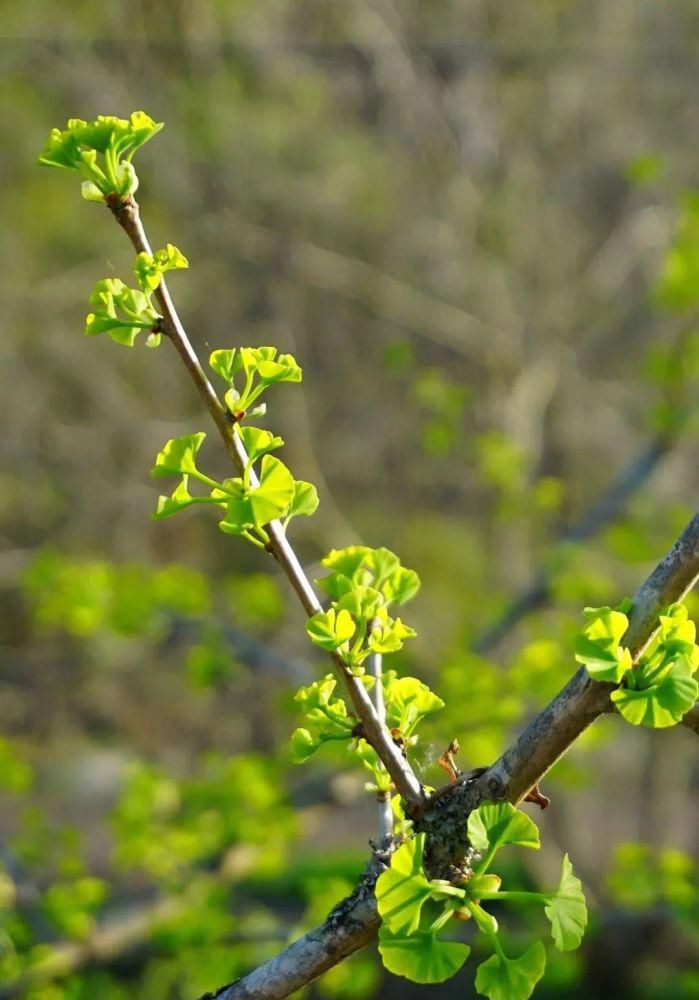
<point>401,586</point>
<point>567,910</point>
<point>258,442</point>
<point>326,719</point>
<point>331,629</point>
<point>407,701</point>
<point>304,500</point>
<point>284,369</point>
<point>274,494</point>
<point>255,506</point>
<point>387,634</point>
<point>225,362</point>
<point>663,703</point>
<point>178,500</point>
<point>421,956</point>
<point>494,824</point>
<point>119,311</point>
<point>114,139</point>
<point>403,888</point>
<point>597,646</point>
<point>376,568</point>
<point>303,746</point>
<point>178,456</point>
<point>149,268</point>
<point>502,978</point>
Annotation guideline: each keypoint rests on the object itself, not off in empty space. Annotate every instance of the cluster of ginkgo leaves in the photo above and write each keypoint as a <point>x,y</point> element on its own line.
<point>363,583</point>
<point>123,312</point>
<point>411,938</point>
<point>660,689</point>
<point>101,150</point>
<point>407,702</point>
<point>247,503</point>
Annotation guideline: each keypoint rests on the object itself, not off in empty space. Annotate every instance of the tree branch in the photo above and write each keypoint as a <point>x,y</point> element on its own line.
<point>353,924</point>
<point>127,214</point>
<point>583,700</point>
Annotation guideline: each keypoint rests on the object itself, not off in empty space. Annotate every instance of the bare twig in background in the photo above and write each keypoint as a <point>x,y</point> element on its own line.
<point>117,942</point>
<point>608,508</point>
<point>386,296</point>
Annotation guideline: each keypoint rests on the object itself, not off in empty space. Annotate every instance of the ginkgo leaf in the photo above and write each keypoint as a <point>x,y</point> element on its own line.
<point>225,362</point>
<point>388,636</point>
<point>303,746</point>
<point>661,704</point>
<point>408,701</point>
<point>402,585</point>
<point>178,456</point>
<point>567,910</point>
<point>304,500</point>
<point>149,268</point>
<point>598,644</point>
<point>494,824</point>
<point>284,369</point>
<point>330,629</point>
<point>272,497</point>
<point>177,501</point>
<point>259,442</point>
<point>421,956</point>
<point>403,888</point>
<point>502,978</point>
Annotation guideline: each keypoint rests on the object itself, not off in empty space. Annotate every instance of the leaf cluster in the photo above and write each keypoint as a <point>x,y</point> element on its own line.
<point>407,702</point>
<point>410,940</point>
<point>363,583</point>
<point>123,312</point>
<point>661,688</point>
<point>248,502</point>
<point>248,372</point>
<point>101,150</point>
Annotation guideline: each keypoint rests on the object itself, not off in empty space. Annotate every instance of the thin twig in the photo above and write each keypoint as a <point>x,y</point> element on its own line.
<point>375,664</point>
<point>606,510</point>
<point>127,214</point>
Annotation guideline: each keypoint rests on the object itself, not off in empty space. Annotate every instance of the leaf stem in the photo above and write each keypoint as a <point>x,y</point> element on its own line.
<point>375,663</point>
<point>515,896</point>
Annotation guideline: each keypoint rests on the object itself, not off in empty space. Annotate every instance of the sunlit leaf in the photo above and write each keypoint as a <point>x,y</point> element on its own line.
<point>403,888</point>
<point>597,646</point>
<point>661,704</point>
<point>408,701</point>
<point>492,825</point>
<point>178,456</point>
<point>304,500</point>
<point>501,978</point>
<point>421,956</point>
<point>330,629</point>
<point>567,910</point>
<point>258,442</point>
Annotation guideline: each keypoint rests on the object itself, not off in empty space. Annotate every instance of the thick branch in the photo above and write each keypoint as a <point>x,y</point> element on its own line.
<point>519,768</point>
<point>128,216</point>
<point>350,926</point>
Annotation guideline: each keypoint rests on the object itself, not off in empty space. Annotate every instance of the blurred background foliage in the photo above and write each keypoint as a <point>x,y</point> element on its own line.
<point>476,228</point>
